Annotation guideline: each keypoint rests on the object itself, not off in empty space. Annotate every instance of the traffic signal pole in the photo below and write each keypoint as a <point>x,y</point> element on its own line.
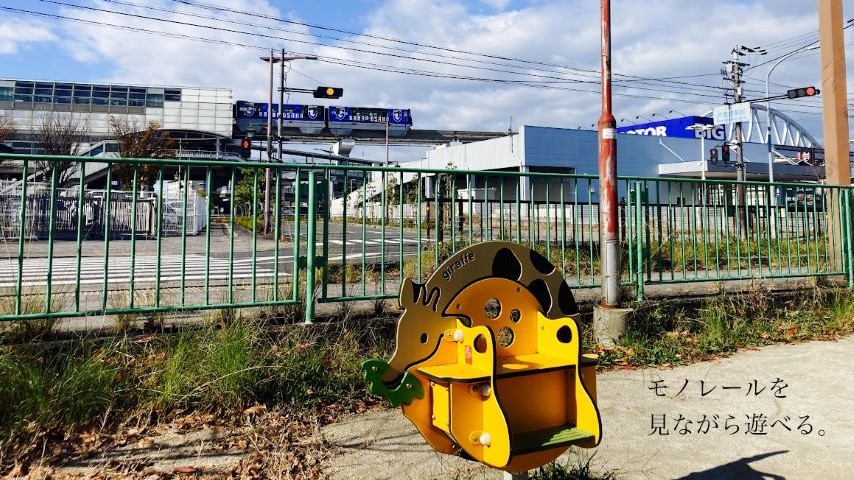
<point>608,219</point>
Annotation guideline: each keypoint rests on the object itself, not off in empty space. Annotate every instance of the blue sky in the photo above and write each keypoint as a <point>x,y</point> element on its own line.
<point>667,53</point>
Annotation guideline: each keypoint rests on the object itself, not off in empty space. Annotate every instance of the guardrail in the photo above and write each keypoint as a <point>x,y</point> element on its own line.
<point>341,233</point>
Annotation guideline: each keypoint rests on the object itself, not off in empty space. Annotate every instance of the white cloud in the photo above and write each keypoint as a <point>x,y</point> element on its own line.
<point>14,33</point>
<point>656,39</point>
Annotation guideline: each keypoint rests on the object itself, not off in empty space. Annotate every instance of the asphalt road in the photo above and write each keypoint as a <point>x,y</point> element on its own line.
<point>138,261</point>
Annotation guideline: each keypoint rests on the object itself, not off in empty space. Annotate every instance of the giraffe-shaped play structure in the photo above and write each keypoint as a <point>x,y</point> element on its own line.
<point>488,360</point>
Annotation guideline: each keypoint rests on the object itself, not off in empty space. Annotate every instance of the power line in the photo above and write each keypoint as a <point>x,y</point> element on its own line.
<point>337,60</point>
<point>360,50</point>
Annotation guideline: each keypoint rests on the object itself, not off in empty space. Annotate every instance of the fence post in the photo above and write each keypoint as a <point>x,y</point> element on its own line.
<point>846,222</point>
<point>638,214</point>
<point>310,248</point>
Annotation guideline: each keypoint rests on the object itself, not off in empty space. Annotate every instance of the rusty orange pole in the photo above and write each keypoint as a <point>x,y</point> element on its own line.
<point>609,247</point>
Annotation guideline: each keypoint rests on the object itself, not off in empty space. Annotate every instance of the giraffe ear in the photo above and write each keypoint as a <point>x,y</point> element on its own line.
<point>409,292</point>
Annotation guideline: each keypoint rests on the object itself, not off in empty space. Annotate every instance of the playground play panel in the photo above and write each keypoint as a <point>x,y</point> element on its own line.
<point>488,361</point>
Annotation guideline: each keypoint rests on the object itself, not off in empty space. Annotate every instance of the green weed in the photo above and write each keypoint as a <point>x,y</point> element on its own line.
<point>678,332</point>
<point>72,385</point>
<point>572,469</point>
<point>212,368</point>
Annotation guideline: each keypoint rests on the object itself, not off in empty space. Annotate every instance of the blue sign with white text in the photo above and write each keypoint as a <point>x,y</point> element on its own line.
<point>304,113</point>
<point>677,127</point>
<point>369,115</point>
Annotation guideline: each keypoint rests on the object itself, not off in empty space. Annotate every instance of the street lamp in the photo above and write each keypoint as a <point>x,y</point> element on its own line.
<point>702,129</point>
<point>768,106</point>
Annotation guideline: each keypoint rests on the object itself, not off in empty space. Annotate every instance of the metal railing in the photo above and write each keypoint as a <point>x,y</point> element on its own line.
<point>691,230</point>
<point>347,233</point>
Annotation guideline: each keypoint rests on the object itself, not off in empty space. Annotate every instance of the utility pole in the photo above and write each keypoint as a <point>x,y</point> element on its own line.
<point>734,68</point>
<point>272,59</point>
<point>282,79</point>
<point>608,216</point>
<point>835,107</point>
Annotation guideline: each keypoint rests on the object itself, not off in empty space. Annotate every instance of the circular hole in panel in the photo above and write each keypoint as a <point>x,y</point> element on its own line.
<point>505,336</point>
<point>564,334</point>
<point>492,308</point>
<point>515,315</point>
<point>480,343</point>
<point>424,337</point>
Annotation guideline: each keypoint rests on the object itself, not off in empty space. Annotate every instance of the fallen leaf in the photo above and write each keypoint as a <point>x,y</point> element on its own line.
<point>18,471</point>
<point>177,470</point>
<point>144,443</point>
<point>255,410</point>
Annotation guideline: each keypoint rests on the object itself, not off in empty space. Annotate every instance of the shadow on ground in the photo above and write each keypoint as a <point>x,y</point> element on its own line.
<point>739,470</point>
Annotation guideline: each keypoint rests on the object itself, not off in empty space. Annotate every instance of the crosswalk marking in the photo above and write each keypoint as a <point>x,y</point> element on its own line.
<point>64,269</point>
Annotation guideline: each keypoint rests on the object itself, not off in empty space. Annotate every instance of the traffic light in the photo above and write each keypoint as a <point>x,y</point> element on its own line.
<point>246,148</point>
<point>328,92</point>
<point>802,92</point>
<point>725,152</point>
<point>713,156</point>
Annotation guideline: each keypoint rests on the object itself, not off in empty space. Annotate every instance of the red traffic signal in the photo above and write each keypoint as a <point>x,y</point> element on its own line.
<point>802,92</point>
<point>245,148</point>
<point>725,152</point>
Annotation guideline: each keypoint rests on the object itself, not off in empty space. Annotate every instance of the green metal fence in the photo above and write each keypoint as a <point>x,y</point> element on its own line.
<point>690,230</point>
<point>187,235</point>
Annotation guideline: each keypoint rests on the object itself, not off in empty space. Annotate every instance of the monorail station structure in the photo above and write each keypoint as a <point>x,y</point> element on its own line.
<point>197,117</point>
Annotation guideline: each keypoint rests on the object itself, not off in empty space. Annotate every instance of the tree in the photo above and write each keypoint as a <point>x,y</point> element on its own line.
<point>244,191</point>
<point>59,133</point>
<point>7,128</point>
<point>137,142</point>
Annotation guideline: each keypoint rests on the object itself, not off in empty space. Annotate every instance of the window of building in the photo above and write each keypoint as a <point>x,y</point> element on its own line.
<point>154,100</point>
<point>100,95</point>
<point>119,96</point>
<point>173,95</point>
<point>7,94</point>
<point>83,94</point>
<point>24,92</point>
<point>43,93</point>
<point>136,97</point>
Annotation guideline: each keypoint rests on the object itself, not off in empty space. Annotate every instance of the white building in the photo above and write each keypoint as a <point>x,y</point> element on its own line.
<point>190,114</point>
